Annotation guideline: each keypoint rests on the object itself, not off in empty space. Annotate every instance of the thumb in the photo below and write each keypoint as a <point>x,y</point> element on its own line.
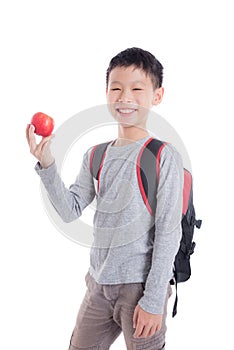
<point>135,316</point>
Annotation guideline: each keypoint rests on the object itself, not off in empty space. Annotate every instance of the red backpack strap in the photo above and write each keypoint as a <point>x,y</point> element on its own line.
<point>187,191</point>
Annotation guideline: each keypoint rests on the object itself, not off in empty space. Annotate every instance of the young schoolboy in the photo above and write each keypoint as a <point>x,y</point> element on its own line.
<point>132,256</point>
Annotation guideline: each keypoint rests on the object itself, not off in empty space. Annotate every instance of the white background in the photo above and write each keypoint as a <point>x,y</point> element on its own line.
<point>54,56</point>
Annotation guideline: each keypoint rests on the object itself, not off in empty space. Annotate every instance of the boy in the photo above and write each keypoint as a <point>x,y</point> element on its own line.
<point>128,279</point>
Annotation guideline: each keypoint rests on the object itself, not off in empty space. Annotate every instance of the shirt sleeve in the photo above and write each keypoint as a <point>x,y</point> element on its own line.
<point>69,202</point>
<point>168,230</point>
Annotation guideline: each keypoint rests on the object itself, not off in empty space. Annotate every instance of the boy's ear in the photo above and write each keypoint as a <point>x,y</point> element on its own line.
<point>158,96</point>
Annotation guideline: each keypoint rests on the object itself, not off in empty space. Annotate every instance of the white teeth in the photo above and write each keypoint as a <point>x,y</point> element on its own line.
<point>126,111</point>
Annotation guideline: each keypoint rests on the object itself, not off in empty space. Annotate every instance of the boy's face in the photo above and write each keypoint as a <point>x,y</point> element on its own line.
<point>130,95</point>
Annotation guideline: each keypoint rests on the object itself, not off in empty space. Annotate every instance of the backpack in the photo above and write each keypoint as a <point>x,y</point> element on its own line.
<point>148,167</point>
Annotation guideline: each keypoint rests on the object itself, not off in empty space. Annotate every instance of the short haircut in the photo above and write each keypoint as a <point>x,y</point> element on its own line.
<point>140,59</point>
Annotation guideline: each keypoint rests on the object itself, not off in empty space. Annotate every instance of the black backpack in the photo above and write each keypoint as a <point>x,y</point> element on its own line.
<point>149,160</point>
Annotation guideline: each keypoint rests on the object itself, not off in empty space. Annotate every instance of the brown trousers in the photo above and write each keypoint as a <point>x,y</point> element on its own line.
<point>106,311</point>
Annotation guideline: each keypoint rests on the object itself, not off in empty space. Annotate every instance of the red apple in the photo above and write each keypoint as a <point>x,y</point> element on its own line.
<point>43,124</point>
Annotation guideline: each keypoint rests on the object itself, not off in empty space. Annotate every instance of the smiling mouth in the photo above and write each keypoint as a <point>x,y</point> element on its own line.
<point>126,111</point>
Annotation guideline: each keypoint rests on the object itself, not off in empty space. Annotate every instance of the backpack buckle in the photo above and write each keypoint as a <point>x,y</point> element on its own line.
<point>172,282</point>
<point>198,223</point>
<point>195,222</point>
<point>191,250</point>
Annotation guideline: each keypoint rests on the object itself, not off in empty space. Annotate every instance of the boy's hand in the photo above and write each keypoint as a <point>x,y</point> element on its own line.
<point>146,324</point>
<point>42,150</point>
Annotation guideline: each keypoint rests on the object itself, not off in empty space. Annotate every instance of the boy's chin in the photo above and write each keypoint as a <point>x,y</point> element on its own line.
<point>127,125</point>
<point>137,126</point>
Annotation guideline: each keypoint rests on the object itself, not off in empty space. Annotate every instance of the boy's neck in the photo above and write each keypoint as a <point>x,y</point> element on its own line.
<point>128,135</point>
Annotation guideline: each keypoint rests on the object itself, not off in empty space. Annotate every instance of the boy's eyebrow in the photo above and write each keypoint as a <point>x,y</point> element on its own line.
<point>133,82</point>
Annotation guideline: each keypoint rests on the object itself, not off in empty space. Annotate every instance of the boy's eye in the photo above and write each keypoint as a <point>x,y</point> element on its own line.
<point>115,89</point>
<point>137,89</point>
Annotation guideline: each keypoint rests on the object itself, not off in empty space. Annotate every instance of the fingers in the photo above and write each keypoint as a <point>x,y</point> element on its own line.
<point>27,132</point>
<point>144,331</point>
<point>44,141</point>
<point>31,137</point>
<point>136,324</point>
<point>135,317</point>
<point>152,331</point>
<point>145,324</point>
<point>139,330</point>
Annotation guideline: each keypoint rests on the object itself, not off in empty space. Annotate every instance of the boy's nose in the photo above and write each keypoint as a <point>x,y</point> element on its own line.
<point>125,97</point>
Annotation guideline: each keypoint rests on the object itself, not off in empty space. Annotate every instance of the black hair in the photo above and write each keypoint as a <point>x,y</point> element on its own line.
<point>140,59</point>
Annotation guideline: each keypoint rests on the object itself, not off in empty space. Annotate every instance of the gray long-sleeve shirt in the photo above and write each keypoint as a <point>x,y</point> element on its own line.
<point>129,245</point>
